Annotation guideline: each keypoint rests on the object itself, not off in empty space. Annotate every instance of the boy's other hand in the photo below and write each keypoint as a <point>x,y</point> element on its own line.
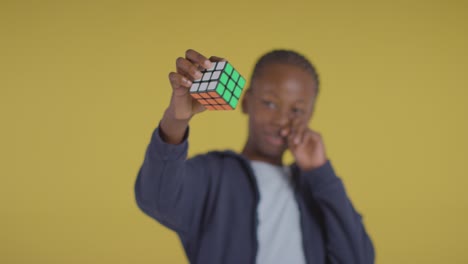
<point>305,144</point>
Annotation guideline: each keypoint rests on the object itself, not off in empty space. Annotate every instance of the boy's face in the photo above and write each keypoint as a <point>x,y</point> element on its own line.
<point>278,95</point>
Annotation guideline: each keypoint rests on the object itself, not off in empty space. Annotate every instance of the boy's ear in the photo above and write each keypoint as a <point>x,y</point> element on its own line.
<point>245,100</point>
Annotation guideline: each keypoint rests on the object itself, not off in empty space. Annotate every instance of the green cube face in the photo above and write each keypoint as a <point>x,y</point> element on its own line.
<point>224,78</point>
<point>238,92</point>
<point>228,69</point>
<point>235,76</point>
<point>241,82</point>
<point>220,87</point>
<point>233,102</point>
<point>227,95</point>
<point>231,84</point>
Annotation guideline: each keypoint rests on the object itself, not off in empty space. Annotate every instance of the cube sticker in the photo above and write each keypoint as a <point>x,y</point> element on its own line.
<point>220,87</point>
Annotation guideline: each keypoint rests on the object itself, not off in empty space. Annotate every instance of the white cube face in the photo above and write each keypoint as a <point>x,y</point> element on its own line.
<point>213,66</point>
<point>220,65</point>
<point>216,75</point>
<point>212,86</point>
<point>203,87</point>
<point>206,76</point>
<point>194,87</point>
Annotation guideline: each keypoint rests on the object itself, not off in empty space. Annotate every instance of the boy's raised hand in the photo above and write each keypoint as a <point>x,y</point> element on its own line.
<point>305,144</point>
<point>183,106</point>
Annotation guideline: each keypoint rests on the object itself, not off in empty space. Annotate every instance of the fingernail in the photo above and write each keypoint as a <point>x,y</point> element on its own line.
<point>188,81</point>
<point>208,64</point>
<point>198,75</point>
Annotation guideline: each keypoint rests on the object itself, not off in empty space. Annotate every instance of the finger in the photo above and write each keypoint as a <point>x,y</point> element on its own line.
<point>300,134</point>
<point>178,81</point>
<point>287,129</point>
<point>316,136</point>
<point>216,59</point>
<point>188,69</point>
<point>197,58</point>
<point>297,130</point>
<point>294,125</point>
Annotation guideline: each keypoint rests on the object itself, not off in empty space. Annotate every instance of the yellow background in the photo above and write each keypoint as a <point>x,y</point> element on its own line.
<point>84,83</point>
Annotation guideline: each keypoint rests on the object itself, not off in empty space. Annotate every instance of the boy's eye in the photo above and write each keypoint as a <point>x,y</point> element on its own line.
<point>269,104</point>
<point>297,111</point>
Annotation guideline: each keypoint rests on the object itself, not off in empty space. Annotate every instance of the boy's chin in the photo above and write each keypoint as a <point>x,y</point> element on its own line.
<point>274,152</point>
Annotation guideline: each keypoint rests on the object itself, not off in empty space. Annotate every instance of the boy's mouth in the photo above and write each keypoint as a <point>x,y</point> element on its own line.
<point>275,140</point>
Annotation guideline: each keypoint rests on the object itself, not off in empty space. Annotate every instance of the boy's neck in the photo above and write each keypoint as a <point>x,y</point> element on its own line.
<point>253,155</point>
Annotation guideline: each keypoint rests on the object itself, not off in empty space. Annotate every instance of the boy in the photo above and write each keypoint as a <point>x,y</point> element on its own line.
<point>248,207</point>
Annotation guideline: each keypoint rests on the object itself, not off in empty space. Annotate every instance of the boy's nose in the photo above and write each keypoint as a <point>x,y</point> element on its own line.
<point>282,118</point>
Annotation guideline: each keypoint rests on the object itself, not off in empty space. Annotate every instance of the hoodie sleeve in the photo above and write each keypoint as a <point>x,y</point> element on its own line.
<point>347,239</point>
<point>171,188</point>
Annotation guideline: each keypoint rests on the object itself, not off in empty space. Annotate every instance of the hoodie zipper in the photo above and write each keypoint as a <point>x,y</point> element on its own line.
<point>255,211</point>
<point>296,177</point>
<point>295,173</point>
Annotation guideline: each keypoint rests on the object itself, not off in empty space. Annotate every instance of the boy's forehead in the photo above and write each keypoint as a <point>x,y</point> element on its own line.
<point>285,86</point>
<point>283,77</point>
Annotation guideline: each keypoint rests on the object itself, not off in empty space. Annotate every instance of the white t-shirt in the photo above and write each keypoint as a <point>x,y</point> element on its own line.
<point>279,230</point>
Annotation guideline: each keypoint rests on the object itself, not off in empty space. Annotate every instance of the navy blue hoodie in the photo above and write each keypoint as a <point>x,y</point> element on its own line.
<point>211,200</point>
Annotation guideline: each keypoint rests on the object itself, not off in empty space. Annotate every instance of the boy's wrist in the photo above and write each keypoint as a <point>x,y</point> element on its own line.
<point>170,114</point>
<point>173,129</point>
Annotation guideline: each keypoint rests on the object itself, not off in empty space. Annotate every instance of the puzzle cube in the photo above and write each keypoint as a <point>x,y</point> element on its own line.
<point>219,88</point>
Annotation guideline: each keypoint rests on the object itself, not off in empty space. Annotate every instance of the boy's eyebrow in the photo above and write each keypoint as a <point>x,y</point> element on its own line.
<point>272,92</point>
<point>268,91</point>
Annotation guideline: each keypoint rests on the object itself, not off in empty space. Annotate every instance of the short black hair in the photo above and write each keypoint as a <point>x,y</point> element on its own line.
<point>290,57</point>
